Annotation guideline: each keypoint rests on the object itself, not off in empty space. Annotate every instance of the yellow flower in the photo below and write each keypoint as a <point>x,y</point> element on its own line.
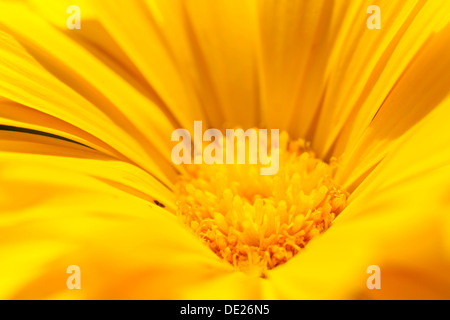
<point>86,176</point>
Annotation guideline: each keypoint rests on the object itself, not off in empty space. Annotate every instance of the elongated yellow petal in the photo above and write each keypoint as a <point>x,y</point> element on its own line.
<point>18,117</point>
<point>292,60</point>
<point>414,155</point>
<point>398,228</point>
<point>37,150</point>
<point>58,211</point>
<point>91,102</point>
<point>403,109</point>
<point>366,64</point>
<point>141,40</point>
<point>226,33</point>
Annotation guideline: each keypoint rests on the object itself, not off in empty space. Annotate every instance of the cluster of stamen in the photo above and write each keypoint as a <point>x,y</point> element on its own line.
<point>257,222</point>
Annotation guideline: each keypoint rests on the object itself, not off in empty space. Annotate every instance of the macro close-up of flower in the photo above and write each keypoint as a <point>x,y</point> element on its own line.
<point>352,200</point>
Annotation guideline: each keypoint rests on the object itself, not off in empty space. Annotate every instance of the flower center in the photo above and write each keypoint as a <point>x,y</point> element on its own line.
<point>257,222</point>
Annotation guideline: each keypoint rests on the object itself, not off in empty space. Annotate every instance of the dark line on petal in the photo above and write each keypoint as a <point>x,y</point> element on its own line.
<point>159,204</point>
<point>40,133</point>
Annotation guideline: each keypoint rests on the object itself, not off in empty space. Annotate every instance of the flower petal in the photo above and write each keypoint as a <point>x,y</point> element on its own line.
<point>366,65</point>
<point>424,86</point>
<point>398,228</point>
<point>58,211</point>
<point>87,94</point>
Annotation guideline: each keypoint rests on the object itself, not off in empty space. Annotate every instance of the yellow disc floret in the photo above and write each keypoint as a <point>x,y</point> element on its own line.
<point>257,222</point>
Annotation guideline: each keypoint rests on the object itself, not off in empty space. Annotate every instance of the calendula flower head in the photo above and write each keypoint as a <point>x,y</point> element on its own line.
<point>92,91</point>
